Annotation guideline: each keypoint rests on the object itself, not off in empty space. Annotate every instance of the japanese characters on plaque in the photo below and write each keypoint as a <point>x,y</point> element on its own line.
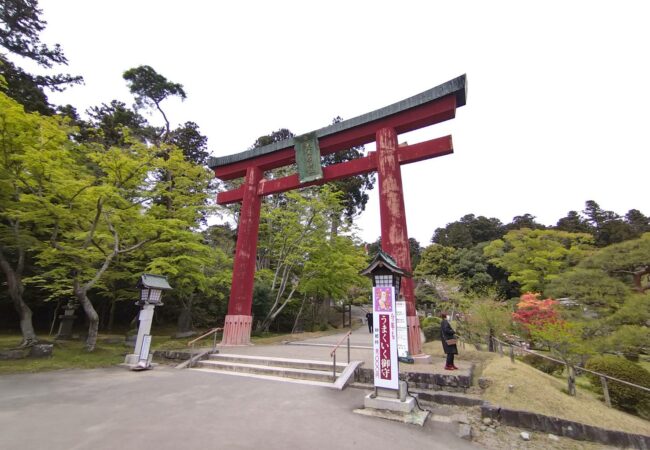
<point>308,157</point>
<point>402,329</point>
<point>386,369</point>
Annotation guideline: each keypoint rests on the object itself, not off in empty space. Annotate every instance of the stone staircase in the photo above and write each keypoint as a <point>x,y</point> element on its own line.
<point>318,373</point>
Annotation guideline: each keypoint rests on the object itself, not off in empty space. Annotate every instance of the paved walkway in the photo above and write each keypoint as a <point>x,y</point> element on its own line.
<point>167,408</point>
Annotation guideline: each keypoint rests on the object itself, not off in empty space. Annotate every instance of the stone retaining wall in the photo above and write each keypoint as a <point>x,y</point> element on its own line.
<point>432,381</point>
<point>562,427</point>
<point>34,351</point>
<point>450,398</point>
<point>182,355</point>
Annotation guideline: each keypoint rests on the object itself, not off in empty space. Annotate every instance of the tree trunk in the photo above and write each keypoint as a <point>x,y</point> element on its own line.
<point>571,380</point>
<point>26,326</point>
<point>56,313</point>
<point>325,311</point>
<point>638,279</point>
<point>184,323</point>
<point>111,315</point>
<point>93,318</point>
<point>295,323</point>
<point>16,289</point>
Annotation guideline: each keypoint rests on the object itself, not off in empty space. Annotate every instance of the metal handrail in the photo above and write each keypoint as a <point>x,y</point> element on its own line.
<point>578,368</point>
<point>333,353</point>
<point>194,341</point>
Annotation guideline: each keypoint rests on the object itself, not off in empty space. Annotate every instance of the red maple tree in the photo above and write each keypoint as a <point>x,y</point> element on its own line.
<point>531,311</point>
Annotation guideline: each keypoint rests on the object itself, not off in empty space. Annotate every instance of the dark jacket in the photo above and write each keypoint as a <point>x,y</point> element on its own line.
<point>447,332</point>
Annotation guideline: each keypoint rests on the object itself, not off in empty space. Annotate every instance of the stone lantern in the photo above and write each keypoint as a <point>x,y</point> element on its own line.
<point>384,272</point>
<point>151,288</point>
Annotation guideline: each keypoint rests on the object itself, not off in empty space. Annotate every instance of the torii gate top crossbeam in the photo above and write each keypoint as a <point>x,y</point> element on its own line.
<point>427,108</point>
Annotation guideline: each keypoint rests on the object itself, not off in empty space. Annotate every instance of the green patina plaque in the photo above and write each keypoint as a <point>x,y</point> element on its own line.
<point>308,157</point>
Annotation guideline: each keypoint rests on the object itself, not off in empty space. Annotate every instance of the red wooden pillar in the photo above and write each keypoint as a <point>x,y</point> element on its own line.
<point>394,235</point>
<point>237,328</point>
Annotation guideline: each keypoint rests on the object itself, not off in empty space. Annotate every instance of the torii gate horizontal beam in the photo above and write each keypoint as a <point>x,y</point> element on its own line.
<point>427,108</point>
<point>406,154</point>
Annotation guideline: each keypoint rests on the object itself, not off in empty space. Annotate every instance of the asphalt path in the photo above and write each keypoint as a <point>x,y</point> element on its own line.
<point>166,408</point>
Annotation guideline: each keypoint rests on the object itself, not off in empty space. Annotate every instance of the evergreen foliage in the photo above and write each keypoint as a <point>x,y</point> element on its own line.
<point>625,397</point>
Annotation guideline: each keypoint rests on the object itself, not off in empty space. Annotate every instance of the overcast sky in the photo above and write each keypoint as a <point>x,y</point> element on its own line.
<point>557,108</point>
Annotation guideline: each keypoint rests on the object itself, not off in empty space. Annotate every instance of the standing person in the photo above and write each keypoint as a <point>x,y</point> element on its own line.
<point>369,319</point>
<point>448,338</point>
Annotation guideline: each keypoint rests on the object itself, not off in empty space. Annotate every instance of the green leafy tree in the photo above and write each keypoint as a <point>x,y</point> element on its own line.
<point>574,223</point>
<point>533,258</point>
<point>635,310</point>
<point>332,272</point>
<point>287,236</point>
<point>469,231</point>
<point>471,267</point>
<point>628,260</point>
<point>484,319</point>
<point>629,340</point>
<point>34,164</point>
<point>275,136</point>
<point>99,218</point>
<point>194,268</point>
<point>524,221</point>
<point>21,26</point>
<point>20,29</point>
<point>565,341</point>
<point>436,260</point>
<point>591,288</point>
<point>299,254</point>
<point>638,222</point>
<point>608,227</point>
<point>151,89</point>
<point>193,144</point>
<point>115,124</point>
<point>354,189</point>
<point>25,88</point>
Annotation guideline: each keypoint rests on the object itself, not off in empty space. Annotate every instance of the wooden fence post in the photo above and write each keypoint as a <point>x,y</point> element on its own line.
<point>603,381</point>
<point>512,354</point>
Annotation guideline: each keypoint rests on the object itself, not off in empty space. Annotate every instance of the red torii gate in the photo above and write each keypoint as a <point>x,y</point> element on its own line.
<point>382,126</point>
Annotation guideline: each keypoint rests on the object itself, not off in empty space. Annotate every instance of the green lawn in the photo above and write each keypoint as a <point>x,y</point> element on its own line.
<point>66,355</point>
<point>536,391</point>
<point>110,349</point>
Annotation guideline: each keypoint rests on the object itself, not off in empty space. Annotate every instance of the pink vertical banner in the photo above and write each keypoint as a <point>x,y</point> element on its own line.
<point>386,369</point>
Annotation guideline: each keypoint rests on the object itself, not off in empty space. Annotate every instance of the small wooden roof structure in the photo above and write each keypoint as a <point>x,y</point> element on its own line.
<point>384,261</point>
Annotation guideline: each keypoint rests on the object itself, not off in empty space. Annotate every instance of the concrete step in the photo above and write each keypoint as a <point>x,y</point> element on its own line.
<point>305,364</point>
<point>316,373</point>
<point>263,369</point>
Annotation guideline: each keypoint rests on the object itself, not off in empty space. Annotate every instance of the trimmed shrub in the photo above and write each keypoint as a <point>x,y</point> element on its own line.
<point>625,397</point>
<point>432,333</point>
<point>430,321</point>
<point>543,364</point>
<point>431,328</point>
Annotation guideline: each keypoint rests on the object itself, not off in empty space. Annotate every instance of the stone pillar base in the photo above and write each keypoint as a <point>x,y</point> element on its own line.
<point>422,359</point>
<point>388,403</point>
<point>131,360</point>
<point>237,330</point>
